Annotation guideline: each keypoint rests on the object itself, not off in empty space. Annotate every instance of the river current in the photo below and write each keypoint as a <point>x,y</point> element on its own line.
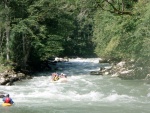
<point>83,93</point>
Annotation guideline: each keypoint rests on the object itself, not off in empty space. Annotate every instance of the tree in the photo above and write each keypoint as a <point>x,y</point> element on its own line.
<point>5,28</point>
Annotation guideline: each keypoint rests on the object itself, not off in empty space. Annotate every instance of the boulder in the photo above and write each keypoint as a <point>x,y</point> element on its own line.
<point>2,94</point>
<point>8,78</point>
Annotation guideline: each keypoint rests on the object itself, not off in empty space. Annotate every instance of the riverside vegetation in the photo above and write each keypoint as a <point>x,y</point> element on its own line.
<point>31,32</point>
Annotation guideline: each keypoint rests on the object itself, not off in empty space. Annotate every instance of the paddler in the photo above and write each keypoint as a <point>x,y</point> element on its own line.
<point>62,75</point>
<point>55,77</point>
<point>7,99</point>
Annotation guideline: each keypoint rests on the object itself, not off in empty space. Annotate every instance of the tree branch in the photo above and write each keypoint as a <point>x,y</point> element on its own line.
<point>115,10</point>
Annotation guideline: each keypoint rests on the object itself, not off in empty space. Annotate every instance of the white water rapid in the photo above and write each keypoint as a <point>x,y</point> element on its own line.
<point>83,93</point>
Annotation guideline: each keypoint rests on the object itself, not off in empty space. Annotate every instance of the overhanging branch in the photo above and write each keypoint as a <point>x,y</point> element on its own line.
<point>115,10</point>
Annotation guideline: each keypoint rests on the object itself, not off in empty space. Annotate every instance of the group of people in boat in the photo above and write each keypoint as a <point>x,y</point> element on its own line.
<point>56,76</point>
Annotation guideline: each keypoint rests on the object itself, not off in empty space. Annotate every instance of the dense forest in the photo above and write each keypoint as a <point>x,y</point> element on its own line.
<point>32,31</point>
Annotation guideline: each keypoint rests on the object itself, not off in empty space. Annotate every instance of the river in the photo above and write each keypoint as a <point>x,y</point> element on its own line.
<point>83,93</point>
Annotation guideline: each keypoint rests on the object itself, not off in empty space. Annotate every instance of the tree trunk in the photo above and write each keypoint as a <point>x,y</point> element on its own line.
<point>7,28</point>
<point>26,50</point>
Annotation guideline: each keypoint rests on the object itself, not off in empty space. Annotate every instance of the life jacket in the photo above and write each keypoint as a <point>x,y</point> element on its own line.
<point>56,78</point>
<point>7,100</point>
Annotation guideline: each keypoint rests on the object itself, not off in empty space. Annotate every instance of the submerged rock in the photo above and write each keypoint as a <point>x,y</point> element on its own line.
<point>95,73</point>
<point>1,94</point>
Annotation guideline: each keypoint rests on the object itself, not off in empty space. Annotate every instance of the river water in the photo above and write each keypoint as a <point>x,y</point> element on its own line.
<point>83,93</point>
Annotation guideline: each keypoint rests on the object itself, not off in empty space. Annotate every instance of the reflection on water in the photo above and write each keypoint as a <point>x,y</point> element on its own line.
<point>82,93</point>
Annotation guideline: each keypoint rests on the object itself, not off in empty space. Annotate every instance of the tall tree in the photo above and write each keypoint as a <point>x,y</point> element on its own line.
<point>5,28</point>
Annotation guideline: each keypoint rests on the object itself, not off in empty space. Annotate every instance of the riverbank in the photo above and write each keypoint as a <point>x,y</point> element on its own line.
<point>8,76</point>
<point>126,70</point>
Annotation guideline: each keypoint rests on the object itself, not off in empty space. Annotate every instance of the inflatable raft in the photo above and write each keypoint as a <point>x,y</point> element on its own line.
<point>60,80</point>
<point>6,104</point>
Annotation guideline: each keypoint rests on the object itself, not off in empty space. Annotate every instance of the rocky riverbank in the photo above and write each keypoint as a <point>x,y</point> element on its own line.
<point>9,77</point>
<point>124,70</point>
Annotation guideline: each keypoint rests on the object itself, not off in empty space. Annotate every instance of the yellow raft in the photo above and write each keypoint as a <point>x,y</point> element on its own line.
<point>60,80</point>
<point>6,104</point>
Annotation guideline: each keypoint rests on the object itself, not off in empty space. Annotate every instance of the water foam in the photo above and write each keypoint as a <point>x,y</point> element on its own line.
<point>117,97</point>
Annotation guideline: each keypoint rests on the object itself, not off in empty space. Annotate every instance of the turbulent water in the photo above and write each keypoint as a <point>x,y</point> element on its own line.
<point>83,93</point>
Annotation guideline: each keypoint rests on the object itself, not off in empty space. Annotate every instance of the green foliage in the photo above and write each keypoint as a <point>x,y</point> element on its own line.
<point>143,33</point>
<point>121,36</point>
<point>79,43</point>
<point>58,22</point>
<point>40,29</point>
<point>106,34</point>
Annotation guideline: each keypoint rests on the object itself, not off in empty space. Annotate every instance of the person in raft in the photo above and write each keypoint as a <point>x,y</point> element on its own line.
<point>7,99</point>
<point>62,75</point>
<point>55,77</point>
